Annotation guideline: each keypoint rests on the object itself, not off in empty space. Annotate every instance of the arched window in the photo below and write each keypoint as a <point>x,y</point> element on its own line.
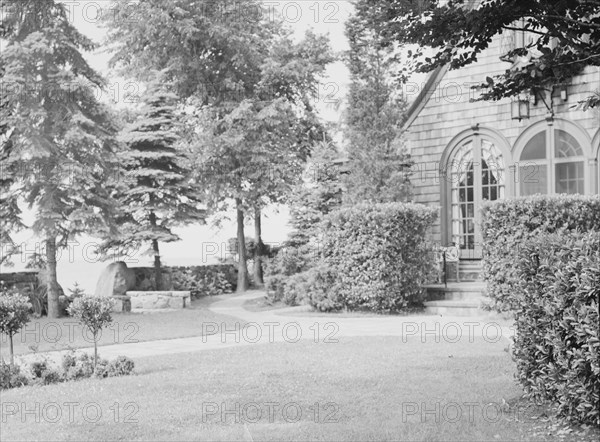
<point>553,160</point>
<point>477,174</point>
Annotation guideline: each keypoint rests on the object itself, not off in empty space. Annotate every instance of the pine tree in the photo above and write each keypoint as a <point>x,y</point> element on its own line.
<point>156,193</point>
<point>60,136</point>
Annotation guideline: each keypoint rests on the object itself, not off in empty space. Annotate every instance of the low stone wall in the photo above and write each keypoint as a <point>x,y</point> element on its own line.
<point>159,299</point>
<point>122,304</point>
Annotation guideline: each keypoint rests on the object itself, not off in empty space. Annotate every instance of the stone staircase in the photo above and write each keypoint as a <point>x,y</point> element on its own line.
<point>464,298</point>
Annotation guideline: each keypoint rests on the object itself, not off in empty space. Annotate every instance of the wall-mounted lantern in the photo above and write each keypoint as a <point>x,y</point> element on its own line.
<point>519,108</point>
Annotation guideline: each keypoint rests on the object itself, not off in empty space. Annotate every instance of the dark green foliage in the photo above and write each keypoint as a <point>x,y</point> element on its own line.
<point>269,250</point>
<point>251,86</point>
<point>122,366</point>
<point>11,376</point>
<point>43,373</point>
<point>203,281</point>
<point>204,48</point>
<point>322,288</point>
<point>378,164</point>
<point>506,224</point>
<point>378,255</point>
<point>157,192</point>
<point>288,261</point>
<point>76,291</point>
<point>77,366</point>
<point>14,314</point>
<point>94,313</point>
<point>319,194</point>
<point>59,154</point>
<point>565,37</point>
<point>14,311</point>
<point>555,305</point>
<point>193,278</point>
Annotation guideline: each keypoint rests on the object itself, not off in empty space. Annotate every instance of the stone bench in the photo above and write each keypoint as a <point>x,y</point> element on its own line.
<point>159,299</point>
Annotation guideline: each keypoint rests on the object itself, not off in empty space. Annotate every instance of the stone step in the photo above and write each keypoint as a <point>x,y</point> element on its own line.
<point>455,291</point>
<point>455,307</point>
<point>456,299</point>
<point>466,264</point>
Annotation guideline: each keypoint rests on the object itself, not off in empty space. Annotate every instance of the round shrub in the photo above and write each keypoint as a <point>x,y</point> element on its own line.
<point>122,366</point>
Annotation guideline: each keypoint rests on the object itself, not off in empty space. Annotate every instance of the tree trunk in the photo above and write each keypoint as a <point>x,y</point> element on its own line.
<point>242,282</point>
<point>95,352</point>
<point>260,247</point>
<point>12,351</point>
<point>51,281</point>
<point>157,266</point>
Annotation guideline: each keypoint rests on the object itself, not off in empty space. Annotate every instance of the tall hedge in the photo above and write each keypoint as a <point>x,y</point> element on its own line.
<point>557,344</point>
<point>378,255</point>
<point>507,224</point>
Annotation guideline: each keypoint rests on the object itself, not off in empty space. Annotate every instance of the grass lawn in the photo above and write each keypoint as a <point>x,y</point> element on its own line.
<point>363,389</point>
<point>45,334</point>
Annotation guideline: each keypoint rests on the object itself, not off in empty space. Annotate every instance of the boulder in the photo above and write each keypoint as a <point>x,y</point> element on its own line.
<point>115,280</point>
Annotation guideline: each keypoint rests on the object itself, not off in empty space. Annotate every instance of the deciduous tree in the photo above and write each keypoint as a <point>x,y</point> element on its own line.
<point>565,37</point>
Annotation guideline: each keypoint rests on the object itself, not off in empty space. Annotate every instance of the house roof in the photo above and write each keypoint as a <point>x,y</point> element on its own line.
<point>433,80</point>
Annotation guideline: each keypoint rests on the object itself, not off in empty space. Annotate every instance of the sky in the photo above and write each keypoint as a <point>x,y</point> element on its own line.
<point>200,244</point>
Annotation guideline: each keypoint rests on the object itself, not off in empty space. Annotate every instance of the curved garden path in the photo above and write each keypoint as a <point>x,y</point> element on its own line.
<point>294,323</point>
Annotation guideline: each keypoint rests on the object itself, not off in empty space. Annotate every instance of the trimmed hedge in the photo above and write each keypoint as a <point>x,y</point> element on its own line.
<point>506,224</point>
<point>375,257</point>
<point>557,326</point>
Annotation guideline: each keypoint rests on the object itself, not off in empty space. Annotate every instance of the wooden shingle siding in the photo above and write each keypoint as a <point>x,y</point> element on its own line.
<point>448,112</point>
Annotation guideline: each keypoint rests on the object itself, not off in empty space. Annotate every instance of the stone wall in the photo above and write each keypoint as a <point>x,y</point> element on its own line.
<point>158,300</point>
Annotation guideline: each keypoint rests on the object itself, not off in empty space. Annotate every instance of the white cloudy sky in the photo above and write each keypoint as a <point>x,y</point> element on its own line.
<point>198,242</point>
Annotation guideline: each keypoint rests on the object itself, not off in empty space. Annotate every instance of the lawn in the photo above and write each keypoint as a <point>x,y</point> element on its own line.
<point>358,389</point>
<point>45,334</point>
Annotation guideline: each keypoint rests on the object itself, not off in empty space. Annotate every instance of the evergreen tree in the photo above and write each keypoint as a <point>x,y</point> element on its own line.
<point>59,150</point>
<point>157,193</point>
<point>318,194</point>
<point>378,162</point>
